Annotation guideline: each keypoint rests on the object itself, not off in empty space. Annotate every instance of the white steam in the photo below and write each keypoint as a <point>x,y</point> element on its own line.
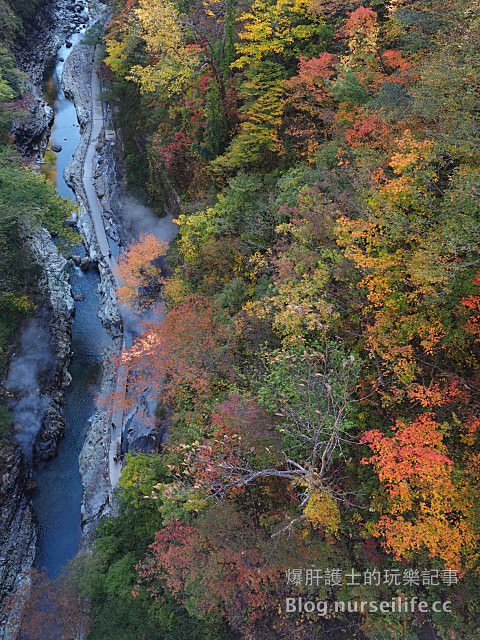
<point>27,369</point>
<point>140,219</point>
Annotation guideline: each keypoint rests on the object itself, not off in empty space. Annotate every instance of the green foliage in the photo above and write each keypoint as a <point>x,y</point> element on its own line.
<point>294,381</point>
<point>29,197</point>
<point>108,576</point>
<point>9,22</point>
<point>25,199</point>
<point>349,90</point>
<point>139,476</point>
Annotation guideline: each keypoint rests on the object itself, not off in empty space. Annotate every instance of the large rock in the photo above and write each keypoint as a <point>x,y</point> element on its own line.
<point>97,498</point>
<point>31,129</point>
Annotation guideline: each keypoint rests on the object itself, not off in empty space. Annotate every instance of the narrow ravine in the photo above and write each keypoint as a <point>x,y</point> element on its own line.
<point>66,492</point>
<point>58,494</point>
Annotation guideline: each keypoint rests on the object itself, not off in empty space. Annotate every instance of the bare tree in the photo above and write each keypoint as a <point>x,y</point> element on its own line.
<point>312,394</point>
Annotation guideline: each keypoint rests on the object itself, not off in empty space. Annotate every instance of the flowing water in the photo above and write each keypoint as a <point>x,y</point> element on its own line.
<point>58,493</point>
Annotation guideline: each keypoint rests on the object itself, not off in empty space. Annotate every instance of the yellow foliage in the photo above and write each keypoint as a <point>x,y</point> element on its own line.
<point>269,29</point>
<point>173,62</point>
<point>322,512</point>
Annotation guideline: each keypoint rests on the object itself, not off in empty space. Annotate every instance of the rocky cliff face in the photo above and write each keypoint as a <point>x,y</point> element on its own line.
<point>17,532</point>
<point>55,285</point>
<point>17,523</point>
<point>43,36</point>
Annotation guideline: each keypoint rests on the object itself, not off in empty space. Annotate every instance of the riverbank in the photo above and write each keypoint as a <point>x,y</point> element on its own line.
<point>86,174</point>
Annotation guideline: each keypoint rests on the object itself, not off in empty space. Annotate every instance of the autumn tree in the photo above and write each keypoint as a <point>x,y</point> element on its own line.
<point>137,272</point>
<point>310,103</point>
<point>209,573</point>
<point>311,394</point>
<point>182,354</point>
<point>422,510</point>
<point>273,34</point>
<point>302,301</point>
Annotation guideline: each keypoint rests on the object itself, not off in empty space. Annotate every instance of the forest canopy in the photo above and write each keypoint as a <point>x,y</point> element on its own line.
<point>318,358</point>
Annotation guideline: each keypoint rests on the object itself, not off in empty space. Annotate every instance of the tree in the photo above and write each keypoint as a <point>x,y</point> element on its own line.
<point>172,60</point>
<point>310,392</point>
<point>274,34</point>
<point>258,139</point>
<point>208,574</point>
<point>137,272</point>
<point>472,304</point>
<point>183,354</point>
<point>422,509</point>
<point>302,302</point>
<point>277,28</point>
<point>310,103</point>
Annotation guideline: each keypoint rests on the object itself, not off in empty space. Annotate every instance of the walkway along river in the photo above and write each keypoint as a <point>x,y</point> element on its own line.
<point>58,495</point>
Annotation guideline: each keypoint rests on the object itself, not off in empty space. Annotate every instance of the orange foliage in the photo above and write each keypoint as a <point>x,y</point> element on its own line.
<point>182,353</point>
<point>397,276</point>
<point>438,394</point>
<point>422,505</point>
<point>136,270</point>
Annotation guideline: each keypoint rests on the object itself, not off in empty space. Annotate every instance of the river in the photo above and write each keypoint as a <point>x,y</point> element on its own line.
<point>58,494</point>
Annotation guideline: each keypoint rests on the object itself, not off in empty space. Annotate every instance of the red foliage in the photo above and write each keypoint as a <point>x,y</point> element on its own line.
<point>206,575</point>
<point>311,76</point>
<point>236,422</point>
<point>184,352</point>
<point>173,155</point>
<point>237,413</point>
<point>360,21</point>
<point>311,101</point>
<point>370,132</point>
<point>400,68</point>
